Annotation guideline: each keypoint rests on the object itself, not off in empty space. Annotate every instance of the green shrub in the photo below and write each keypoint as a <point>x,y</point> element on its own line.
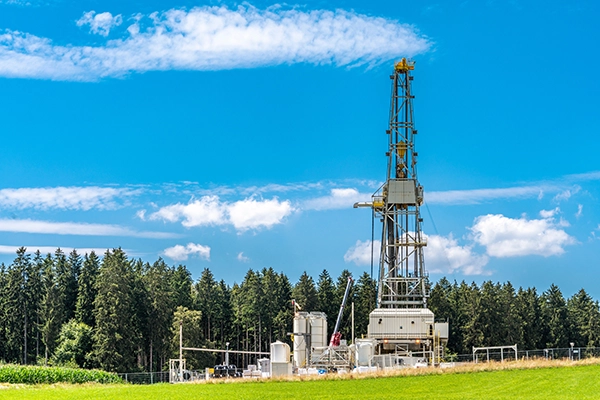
<point>29,374</point>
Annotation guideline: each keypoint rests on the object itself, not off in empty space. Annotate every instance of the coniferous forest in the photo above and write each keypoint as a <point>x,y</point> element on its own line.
<point>121,314</point>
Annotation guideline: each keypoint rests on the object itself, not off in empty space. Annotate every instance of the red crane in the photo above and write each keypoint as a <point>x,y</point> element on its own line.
<point>337,335</point>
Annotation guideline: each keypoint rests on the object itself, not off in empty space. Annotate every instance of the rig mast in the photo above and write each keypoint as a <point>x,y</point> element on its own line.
<point>402,281</point>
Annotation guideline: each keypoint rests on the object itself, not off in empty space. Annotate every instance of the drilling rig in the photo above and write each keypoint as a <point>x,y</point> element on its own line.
<point>402,329</point>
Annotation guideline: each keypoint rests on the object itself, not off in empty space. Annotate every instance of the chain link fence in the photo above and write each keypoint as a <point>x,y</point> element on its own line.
<point>575,353</point>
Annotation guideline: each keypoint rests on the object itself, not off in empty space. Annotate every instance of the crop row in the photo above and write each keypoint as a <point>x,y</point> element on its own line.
<point>29,374</point>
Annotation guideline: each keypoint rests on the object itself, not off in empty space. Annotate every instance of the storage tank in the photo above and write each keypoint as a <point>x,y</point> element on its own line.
<point>318,329</point>
<point>365,350</point>
<point>301,331</point>
<point>280,352</point>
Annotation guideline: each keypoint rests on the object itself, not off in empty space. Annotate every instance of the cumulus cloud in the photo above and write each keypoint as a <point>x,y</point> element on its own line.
<point>210,211</point>
<point>75,228</point>
<point>338,198</point>
<point>508,237</point>
<point>65,198</point>
<point>100,24</point>
<point>182,253</point>
<point>242,258</point>
<point>252,214</point>
<point>213,38</point>
<point>360,253</point>
<point>443,254</point>
<point>205,211</point>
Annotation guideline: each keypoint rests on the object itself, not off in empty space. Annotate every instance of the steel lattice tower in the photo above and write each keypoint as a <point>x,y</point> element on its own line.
<point>402,281</point>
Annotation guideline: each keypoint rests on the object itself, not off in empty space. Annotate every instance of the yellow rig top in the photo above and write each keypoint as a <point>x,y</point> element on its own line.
<point>404,65</point>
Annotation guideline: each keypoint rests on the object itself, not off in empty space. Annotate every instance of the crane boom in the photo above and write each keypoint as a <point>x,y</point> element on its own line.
<point>336,335</point>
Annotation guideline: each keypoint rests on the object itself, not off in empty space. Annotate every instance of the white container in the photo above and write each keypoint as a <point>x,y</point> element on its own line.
<point>301,330</point>
<point>365,350</point>
<point>318,329</point>
<point>280,352</point>
<point>281,369</point>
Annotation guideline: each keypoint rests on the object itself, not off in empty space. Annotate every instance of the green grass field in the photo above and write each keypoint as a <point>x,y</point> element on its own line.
<point>568,382</point>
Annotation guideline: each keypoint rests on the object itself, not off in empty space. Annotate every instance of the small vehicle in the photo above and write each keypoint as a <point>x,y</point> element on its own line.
<point>226,371</point>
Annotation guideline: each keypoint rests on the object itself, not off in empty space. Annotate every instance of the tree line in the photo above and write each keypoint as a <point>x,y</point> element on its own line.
<point>123,315</point>
<point>493,314</point>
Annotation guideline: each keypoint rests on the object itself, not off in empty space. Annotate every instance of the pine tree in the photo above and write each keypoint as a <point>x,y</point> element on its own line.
<point>532,324</point>
<point>366,290</point>
<point>50,308</point>
<point>326,299</point>
<point>3,312</point>
<point>554,309</point>
<point>116,337</point>
<point>17,308</point>
<point>86,289</point>
<point>305,293</point>
<point>181,283</point>
<point>584,318</point>
<point>205,300</point>
<point>161,307</point>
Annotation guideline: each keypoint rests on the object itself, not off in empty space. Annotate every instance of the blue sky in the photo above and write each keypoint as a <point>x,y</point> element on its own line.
<point>238,135</point>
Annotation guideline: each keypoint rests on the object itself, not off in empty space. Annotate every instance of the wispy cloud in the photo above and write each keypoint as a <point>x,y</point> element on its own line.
<point>75,228</point>
<point>338,198</point>
<point>214,38</point>
<point>475,196</point>
<point>242,258</point>
<point>65,198</point>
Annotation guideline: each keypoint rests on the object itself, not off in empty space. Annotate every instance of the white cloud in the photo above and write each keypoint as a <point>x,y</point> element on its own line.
<point>338,198</point>
<point>360,253</point>
<point>205,211</point>
<point>507,237</point>
<point>252,214</point>
<point>66,198</point>
<point>182,253</point>
<point>476,196</point>
<point>243,214</point>
<point>242,258</point>
<point>579,211</point>
<point>214,38</point>
<point>51,249</point>
<point>75,228</point>
<point>100,24</point>
<point>549,213</point>
<point>444,255</point>
<point>566,194</point>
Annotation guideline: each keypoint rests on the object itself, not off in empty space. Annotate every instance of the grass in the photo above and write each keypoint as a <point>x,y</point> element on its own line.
<point>516,380</point>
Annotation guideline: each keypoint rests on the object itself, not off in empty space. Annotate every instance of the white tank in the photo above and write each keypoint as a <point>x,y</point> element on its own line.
<point>300,336</point>
<point>318,329</point>
<point>365,350</point>
<point>280,352</point>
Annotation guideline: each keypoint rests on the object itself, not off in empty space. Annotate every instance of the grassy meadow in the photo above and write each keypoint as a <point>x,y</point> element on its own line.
<point>517,380</point>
